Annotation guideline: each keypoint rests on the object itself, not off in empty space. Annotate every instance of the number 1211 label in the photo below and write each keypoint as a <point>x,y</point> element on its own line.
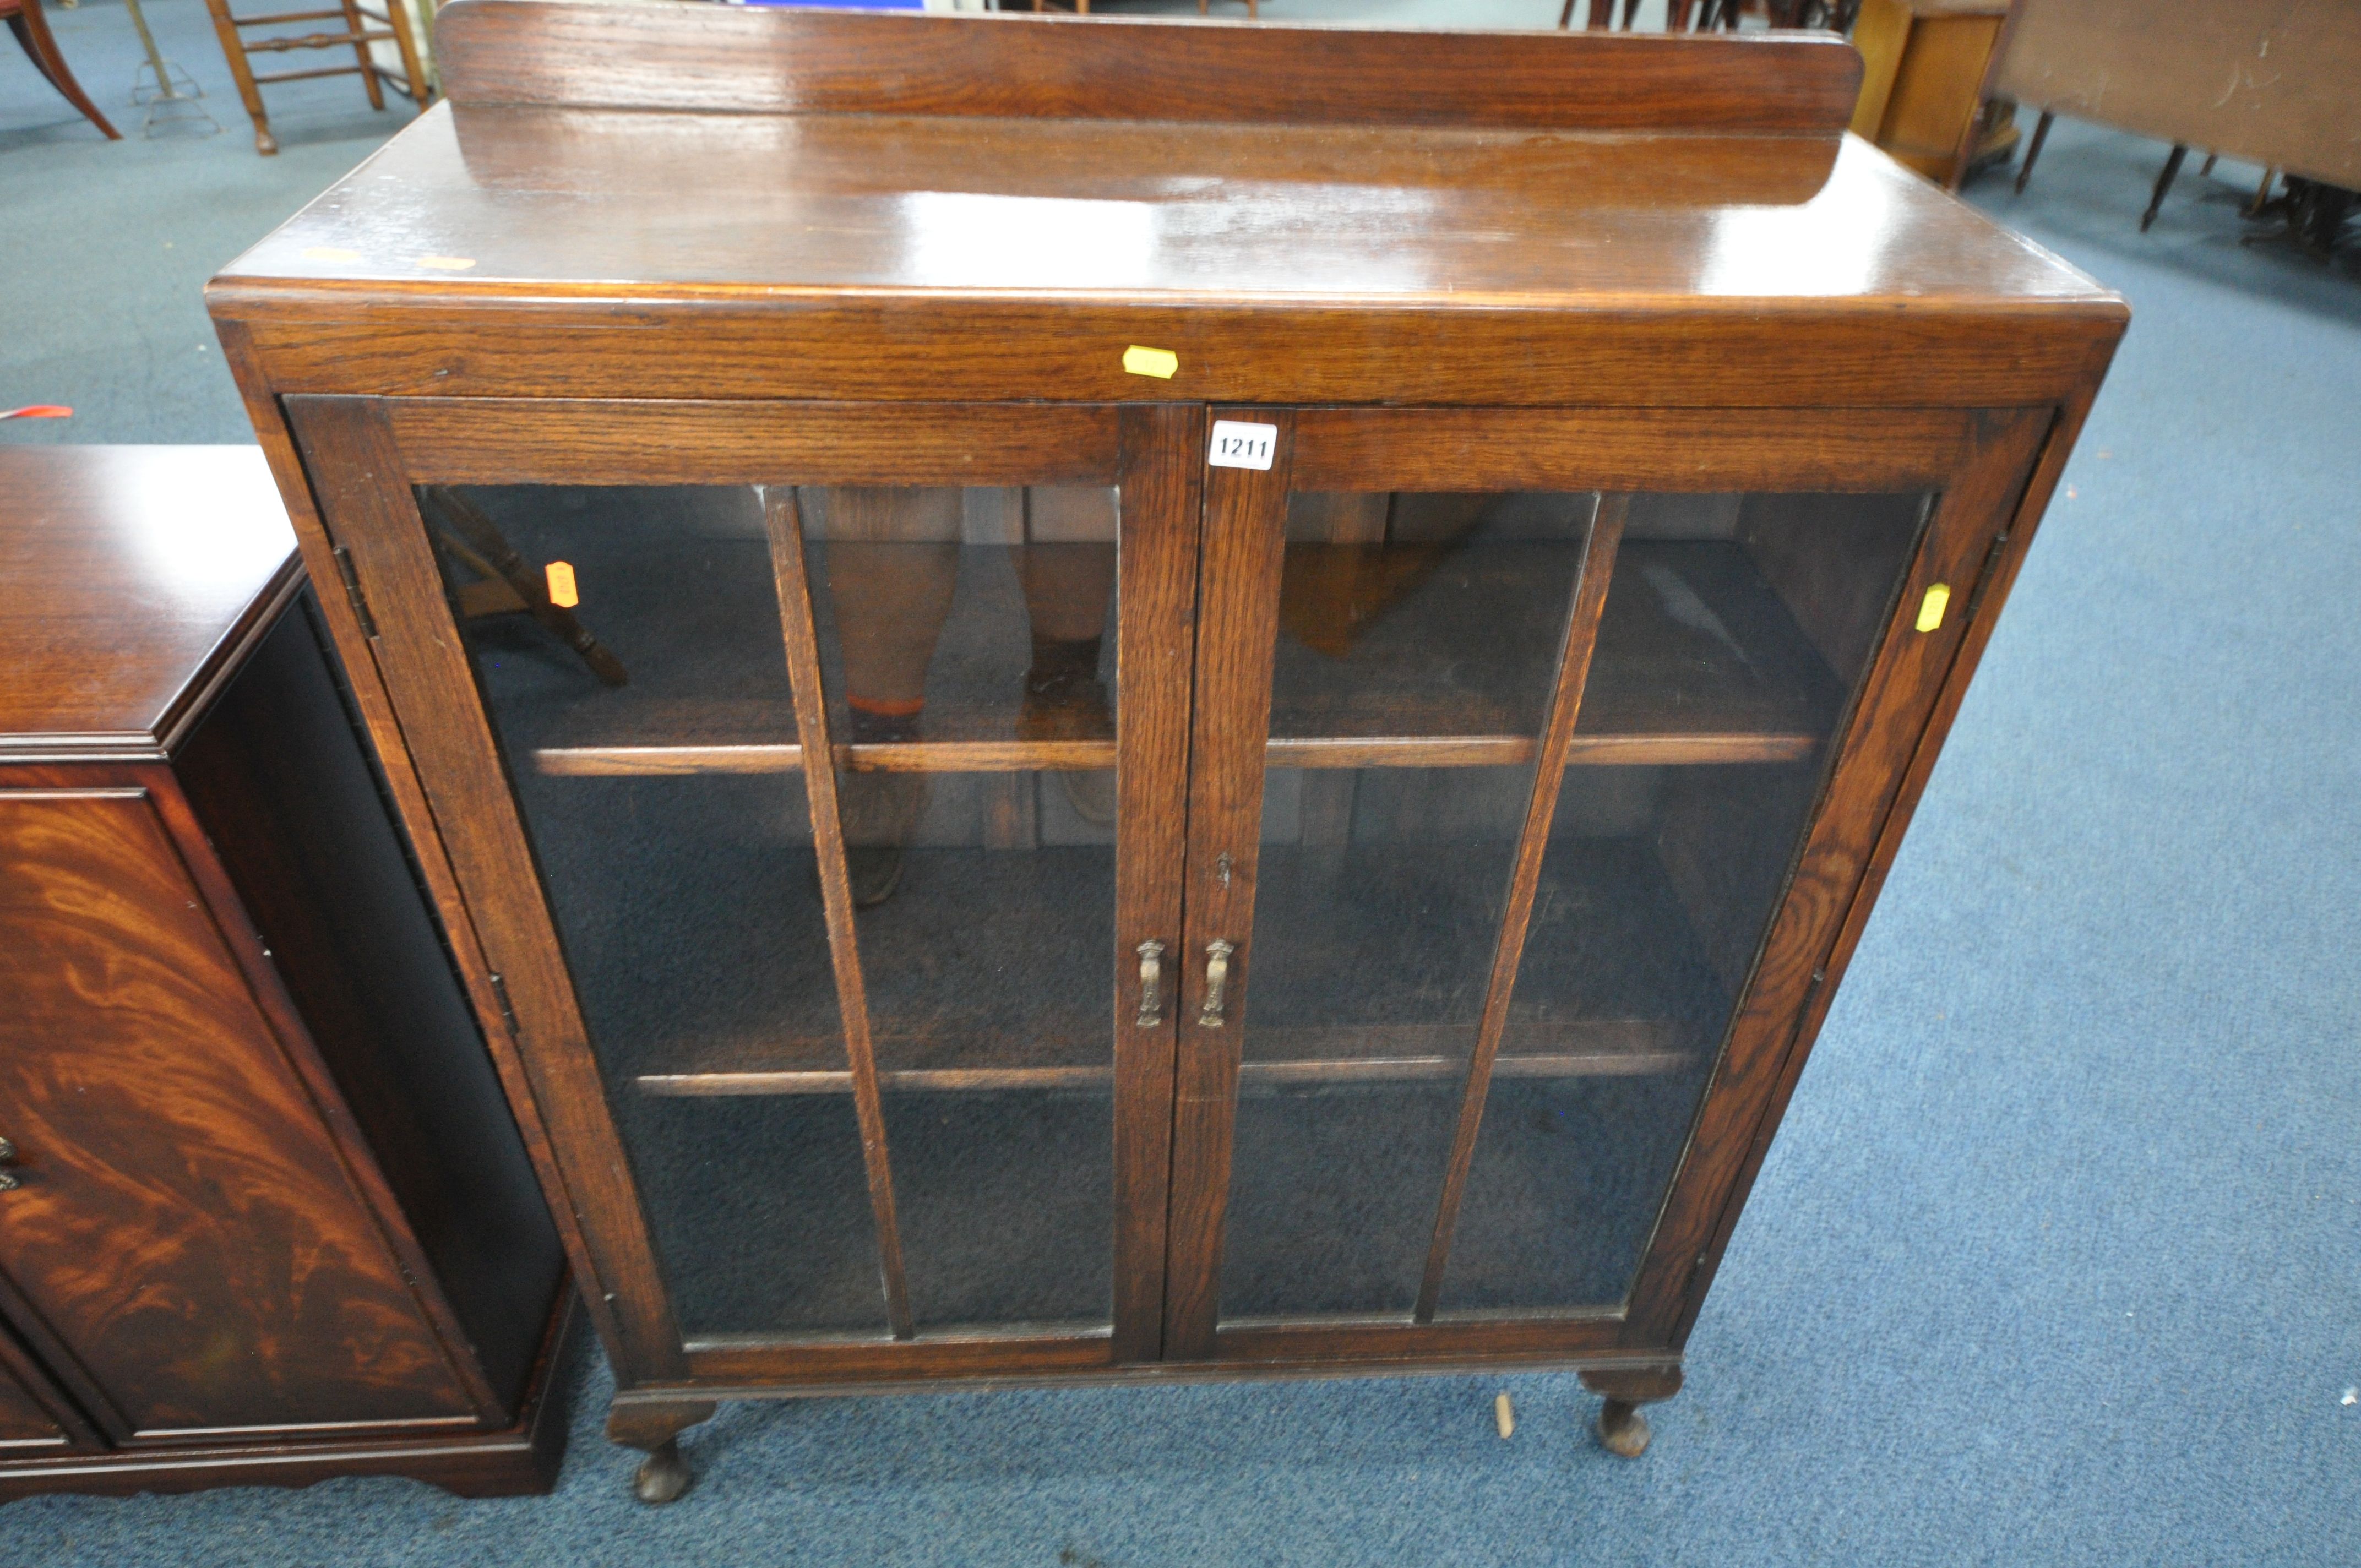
<point>1240,445</point>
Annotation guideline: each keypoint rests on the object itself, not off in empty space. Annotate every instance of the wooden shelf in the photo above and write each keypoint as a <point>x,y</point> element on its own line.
<point>1406,1053</point>
<point>1698,663</point>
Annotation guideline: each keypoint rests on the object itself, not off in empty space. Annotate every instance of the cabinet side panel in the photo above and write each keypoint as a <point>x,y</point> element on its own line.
<point>183,1226</point>
<point>278,781</point>
<point>24,1427</point>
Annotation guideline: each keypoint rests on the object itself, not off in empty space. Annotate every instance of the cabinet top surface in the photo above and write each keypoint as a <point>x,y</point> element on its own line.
<point>1728,182</point>
<point>133,573</point>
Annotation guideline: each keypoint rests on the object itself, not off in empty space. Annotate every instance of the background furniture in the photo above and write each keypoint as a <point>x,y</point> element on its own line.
<point>1922,99</point>
<point>1179,810</point>
<point>362,27</point>
<point>40,46</point>
<point>264,1215</point>
<point>2267,81</point>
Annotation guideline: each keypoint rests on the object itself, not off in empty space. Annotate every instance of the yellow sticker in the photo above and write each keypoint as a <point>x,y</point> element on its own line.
<point>1160,363</point>
<point>561,591</point>
<point>448,263</point>
<point>1931,608</point>
<point>330,253</point>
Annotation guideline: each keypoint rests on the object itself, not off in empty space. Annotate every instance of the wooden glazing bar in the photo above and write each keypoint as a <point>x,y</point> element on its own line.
<point>1024,756</point>
<point>784,520</point>
<point>1251,1075</point>
<point>569,441</point>
<point>1573,670</point>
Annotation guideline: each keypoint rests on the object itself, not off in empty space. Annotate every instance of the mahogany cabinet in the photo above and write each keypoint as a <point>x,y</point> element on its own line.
<point>264,1217</point>
<point>1125,700</point>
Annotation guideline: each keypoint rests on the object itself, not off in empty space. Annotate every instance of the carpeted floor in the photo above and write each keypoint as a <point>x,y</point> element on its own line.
<point>2059,1256</point>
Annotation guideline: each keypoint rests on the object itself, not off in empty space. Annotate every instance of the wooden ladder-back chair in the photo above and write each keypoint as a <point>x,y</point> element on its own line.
<point>362,28</point>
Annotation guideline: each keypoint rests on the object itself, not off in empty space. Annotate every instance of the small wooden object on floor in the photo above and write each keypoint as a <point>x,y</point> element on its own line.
<point>40,46</point>
<point>361,28</point>
<point>264,1217</point>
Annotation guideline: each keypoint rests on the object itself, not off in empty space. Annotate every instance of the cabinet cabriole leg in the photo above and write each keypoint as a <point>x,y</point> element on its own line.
<point>1622,1429</point>
<point>664,1475</point>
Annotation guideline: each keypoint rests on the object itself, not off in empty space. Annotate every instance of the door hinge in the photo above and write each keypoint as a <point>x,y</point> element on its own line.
<point>1985,578</point>
<point>353,591</point>
<point>507,1013</point>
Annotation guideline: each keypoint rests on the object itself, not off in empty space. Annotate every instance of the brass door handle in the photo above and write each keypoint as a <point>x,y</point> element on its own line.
<point>1217,980</point>
<point>1151,984</point>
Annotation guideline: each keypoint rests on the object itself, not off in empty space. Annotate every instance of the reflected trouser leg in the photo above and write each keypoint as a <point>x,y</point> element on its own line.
<point>893,565</point>
<point>1067,568</point>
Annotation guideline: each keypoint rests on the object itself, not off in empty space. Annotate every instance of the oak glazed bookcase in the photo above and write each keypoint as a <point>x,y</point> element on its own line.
<point>1377,604</point>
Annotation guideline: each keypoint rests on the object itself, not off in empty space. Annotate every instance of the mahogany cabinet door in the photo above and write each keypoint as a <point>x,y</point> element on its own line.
<point>857,1066</point>
<point>182,1235</point>
<point>1536,760</point>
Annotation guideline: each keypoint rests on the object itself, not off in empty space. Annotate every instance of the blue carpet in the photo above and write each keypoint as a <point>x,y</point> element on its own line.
<point>2056,1258</point>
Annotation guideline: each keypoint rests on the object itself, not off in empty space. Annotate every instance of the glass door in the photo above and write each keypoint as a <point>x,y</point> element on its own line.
<point>1510,729</point>
<point>851,775</point>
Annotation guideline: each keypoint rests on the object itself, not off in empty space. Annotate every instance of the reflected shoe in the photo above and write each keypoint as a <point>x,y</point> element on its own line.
<point>1072,705</point>
<point>880,813</point>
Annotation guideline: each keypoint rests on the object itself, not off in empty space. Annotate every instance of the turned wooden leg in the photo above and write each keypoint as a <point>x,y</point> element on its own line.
<point>654,1430</point>
<point>2164,184</point>
<point>1622,1428</point>
<point>2033,150</point>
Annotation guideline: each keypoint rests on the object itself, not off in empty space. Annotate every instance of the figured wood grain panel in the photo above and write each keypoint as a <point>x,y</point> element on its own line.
<point>358,476</point>
<point>566,440</point>
<point>1877,747</point>
<point>184,1226</point>
<point>788,61</point>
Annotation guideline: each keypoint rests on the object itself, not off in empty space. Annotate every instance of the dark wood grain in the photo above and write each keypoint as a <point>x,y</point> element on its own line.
<point>1238,608</point>
<point>184,1226</point>
<point>189,544</point>
<point>762,61</point>
<point>784,520</point>
<point>1597,571</point>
